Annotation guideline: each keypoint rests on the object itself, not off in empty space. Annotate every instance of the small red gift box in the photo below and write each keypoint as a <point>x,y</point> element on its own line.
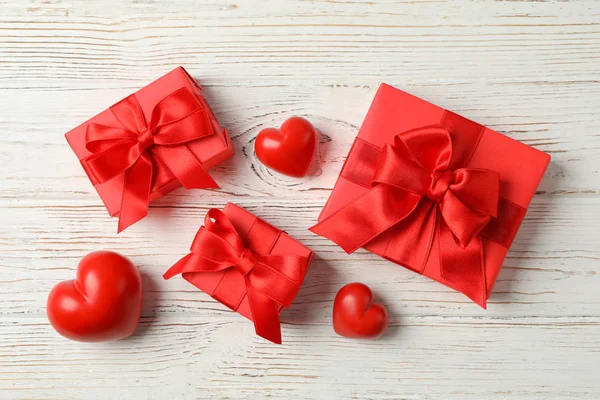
<point>246,264</point>
<point>161,137</point>
<point>432,191</point>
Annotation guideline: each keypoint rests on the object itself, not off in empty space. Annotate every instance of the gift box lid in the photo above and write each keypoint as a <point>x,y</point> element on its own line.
<point>210,150</point>
<point>393,112</point>
<point>229,286</point>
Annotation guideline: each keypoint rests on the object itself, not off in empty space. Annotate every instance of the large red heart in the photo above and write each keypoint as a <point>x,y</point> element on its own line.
<point>103,303</point>
<point>355,315</point>
<point>289,149</point>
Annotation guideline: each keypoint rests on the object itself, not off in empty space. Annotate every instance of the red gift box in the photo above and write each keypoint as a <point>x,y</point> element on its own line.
<point>163,136</point>
<point>432,191</point>
<point>248,265</point>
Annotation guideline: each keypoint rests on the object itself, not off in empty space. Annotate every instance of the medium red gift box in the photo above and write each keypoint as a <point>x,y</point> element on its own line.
<point>432,191</point>
<point>161,137</point>
<point>246,264</point>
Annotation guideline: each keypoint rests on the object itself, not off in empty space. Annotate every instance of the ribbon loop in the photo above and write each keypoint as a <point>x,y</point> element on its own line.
<point>175,121</point>
<point>270,279</point>
<point>452,206</point>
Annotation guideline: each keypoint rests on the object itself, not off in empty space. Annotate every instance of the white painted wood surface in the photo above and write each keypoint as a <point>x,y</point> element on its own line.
<point>528,69</point>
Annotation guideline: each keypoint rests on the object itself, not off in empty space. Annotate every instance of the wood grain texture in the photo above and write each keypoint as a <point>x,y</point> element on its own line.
<point>529,69</point>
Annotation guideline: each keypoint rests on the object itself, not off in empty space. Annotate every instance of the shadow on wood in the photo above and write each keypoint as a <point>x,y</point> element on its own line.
<point>314,301</point>
<point>394,328</point>
<point>150,302</point>
<point>509,276</point>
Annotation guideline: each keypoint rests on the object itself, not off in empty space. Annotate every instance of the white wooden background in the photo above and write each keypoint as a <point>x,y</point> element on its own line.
<point>528,69</point>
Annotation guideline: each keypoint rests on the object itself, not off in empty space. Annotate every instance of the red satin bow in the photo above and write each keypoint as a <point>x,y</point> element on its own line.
<point>135,146</point>
<point>269,278</point>
<point>415,196</point>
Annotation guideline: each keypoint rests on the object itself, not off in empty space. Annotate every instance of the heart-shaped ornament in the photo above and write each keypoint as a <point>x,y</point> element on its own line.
<point>103,303</point>
<point>355,315</point>
<point>290,149</point>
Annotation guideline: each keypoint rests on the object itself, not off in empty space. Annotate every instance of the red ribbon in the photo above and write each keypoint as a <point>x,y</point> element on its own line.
<point>414,196</point>
<point>269,279</point>
<point>135,146</point>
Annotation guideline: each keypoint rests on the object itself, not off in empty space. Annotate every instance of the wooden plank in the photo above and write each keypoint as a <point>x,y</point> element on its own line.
<point>421,358</point>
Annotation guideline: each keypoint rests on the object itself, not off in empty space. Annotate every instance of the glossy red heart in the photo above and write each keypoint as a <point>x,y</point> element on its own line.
<point>103,303</point>
<point>355,315</point>
<point>290,149</point>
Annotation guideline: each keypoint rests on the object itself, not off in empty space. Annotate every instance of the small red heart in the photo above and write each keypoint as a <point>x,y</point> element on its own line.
<point>103,303</point>
<point>290,149</point>
<point>355,315</point>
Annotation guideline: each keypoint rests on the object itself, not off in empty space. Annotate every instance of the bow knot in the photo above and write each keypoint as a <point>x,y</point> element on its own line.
<point>271,281</point>
<point>439,185</point>
<point>175,121</point>
<point>247,262</point>
<point>145,138</point>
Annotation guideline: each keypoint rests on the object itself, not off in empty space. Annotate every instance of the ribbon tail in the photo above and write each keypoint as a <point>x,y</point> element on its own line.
<point>186,264</point>
<point>186,167</point>
<point>409,243</point>
<point>463,268</point>
<point>136,193</point>
<point>359,222</point>
<point>265,314</point>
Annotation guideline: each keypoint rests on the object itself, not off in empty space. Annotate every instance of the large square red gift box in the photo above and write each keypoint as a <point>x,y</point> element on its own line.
<point>432,191</point>
<point>163,136</point>
<point>246,264</point>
